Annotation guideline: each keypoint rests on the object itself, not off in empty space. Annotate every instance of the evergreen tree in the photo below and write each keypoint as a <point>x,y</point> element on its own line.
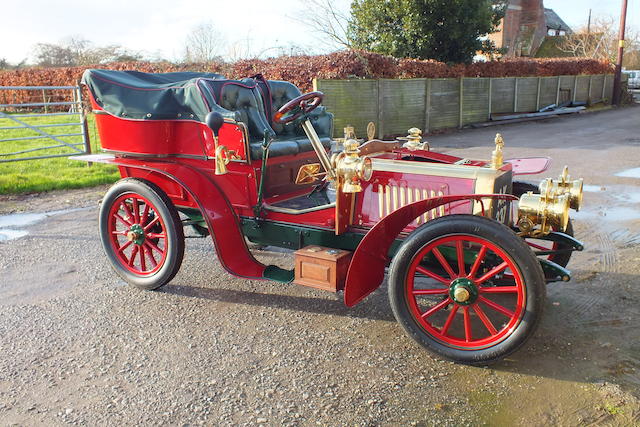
<point>445,30</point>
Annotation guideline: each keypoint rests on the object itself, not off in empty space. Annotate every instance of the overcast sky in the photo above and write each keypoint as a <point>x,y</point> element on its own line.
<point>161,26</point>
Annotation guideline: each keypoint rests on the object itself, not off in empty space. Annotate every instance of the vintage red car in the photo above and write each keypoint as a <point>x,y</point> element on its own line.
<point>468,251</point>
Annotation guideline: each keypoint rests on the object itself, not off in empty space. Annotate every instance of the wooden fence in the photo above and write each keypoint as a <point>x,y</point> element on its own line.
<point>396,105</point>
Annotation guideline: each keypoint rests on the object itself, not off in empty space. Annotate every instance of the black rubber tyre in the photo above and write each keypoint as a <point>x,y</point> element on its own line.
<point>474,230</point>
<point>155,256</point>
<point>563,258</point>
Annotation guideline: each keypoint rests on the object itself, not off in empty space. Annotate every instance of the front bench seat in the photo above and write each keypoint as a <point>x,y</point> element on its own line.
<point>244,98</point>
<point>281,93</point>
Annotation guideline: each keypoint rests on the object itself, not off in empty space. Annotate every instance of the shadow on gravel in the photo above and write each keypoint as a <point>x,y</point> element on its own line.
<point>589,333</point>
<point>376,307</point>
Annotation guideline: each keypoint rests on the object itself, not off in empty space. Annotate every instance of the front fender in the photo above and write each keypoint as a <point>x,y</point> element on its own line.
<point>530,165</point>
<point>221,219</point>
<point>366,270</point>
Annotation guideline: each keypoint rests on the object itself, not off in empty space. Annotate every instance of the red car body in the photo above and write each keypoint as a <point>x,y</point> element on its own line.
<point>407,189</point>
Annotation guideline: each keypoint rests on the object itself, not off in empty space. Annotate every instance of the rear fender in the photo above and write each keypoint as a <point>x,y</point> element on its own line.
<point>366,270</point>
<point>221,219</point>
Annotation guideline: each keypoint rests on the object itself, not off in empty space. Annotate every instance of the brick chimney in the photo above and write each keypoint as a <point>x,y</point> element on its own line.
<point>523,28</point>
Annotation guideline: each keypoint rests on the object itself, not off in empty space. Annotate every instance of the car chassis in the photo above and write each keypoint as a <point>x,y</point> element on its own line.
<point>468,251</point>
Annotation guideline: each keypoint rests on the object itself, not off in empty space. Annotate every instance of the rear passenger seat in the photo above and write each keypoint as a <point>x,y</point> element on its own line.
<point>247,98</point>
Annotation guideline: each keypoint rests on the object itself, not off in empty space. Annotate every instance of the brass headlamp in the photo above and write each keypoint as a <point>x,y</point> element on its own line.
<point>563,185</point>
<point>351,168</point>
<point>549,210</point>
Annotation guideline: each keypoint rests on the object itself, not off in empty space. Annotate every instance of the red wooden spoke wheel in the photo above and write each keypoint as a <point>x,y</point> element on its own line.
<point>138,234</point>
<point>466,294</point>
<point>141,233</point>
<point>467,288</point>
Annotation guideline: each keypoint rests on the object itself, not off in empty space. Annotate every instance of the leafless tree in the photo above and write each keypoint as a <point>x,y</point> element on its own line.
<point>600,41</point>
<point>204,43</point>
<point>241,49</point>
<point>632,59</point>
<point>78,51</point>
<point>325,18</point>
<point>6,65</point>
<point>53,55</point>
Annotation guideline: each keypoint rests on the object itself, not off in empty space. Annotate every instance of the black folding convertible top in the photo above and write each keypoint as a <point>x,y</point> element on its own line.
<point>158,96</point>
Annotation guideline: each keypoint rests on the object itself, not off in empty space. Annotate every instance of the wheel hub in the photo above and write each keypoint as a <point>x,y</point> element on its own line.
<point>136,234</point>
<point>463,291</point>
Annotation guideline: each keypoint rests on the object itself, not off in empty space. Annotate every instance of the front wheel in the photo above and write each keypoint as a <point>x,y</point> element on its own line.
<point>467,288</point>
<point>141,233</point>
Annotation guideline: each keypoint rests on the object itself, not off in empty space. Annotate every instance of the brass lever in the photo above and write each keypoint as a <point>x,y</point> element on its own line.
<point>222,159</point>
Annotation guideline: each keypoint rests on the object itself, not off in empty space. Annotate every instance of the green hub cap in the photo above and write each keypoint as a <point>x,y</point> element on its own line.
<point>463,291</point>
<point>136,234</point>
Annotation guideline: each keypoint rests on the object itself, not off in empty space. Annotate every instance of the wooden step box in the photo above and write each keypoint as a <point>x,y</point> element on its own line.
<point>321,268</point>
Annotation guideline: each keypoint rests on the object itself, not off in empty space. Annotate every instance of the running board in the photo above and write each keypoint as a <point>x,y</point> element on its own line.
<point>277,274</point>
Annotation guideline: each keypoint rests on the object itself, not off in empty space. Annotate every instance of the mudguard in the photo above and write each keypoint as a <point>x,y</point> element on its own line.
<point>221,219</point>
<point>366,270</point>
<point>529,165</point>
<point>562,238</point>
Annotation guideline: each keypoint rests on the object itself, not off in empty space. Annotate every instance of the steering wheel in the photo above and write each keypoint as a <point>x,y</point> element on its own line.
<point>303,104</point>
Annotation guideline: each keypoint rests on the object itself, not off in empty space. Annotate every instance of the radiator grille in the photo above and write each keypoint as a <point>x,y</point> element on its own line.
<point>392,197</point>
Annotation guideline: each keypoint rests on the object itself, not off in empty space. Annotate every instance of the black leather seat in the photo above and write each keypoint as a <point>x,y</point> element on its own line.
<point>250,103</point>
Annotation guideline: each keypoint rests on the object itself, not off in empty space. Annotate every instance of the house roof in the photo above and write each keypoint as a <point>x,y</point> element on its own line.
<point>554,21</point>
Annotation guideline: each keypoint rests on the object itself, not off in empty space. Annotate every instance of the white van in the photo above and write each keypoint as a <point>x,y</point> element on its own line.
<point>634,78</point>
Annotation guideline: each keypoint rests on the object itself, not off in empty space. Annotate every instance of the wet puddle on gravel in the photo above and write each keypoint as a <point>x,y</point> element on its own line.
<point>593,188</point>
<point>630,173</point>
<point>628,197</point>
<point>12,225</point>
<point>614,213</point>
<point>626,194</point>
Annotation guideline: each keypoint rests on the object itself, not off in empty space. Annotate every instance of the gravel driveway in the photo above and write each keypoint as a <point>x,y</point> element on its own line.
<point>80,347</point>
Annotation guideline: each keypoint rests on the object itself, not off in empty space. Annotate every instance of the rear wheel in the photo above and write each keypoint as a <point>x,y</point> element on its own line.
<point>467,288</point>
<point>141,233</point>
<point>560,258</point>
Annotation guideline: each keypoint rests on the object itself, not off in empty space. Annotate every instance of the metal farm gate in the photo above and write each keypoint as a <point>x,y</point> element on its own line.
<point>46,120</point>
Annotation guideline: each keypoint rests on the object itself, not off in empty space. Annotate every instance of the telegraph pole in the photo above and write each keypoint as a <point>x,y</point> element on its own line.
<point>617,80</point>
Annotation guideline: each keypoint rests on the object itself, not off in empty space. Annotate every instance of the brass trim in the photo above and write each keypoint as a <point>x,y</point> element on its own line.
<point>394,197</point>
<point>371,131</point>
<point>350,168</point>
<point>157,156</point>
<point>484,177</point>
<point>422,168</point>
<point>387,199</point>
<point>564,185</point>
<point>484,185</point>
<point>547,210</point>
<point>380,201</point>
<point>319,149</point>
<point>497,154</point>
<point>245,136</point>
<point>308,174</point>
<point>461,294</point>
